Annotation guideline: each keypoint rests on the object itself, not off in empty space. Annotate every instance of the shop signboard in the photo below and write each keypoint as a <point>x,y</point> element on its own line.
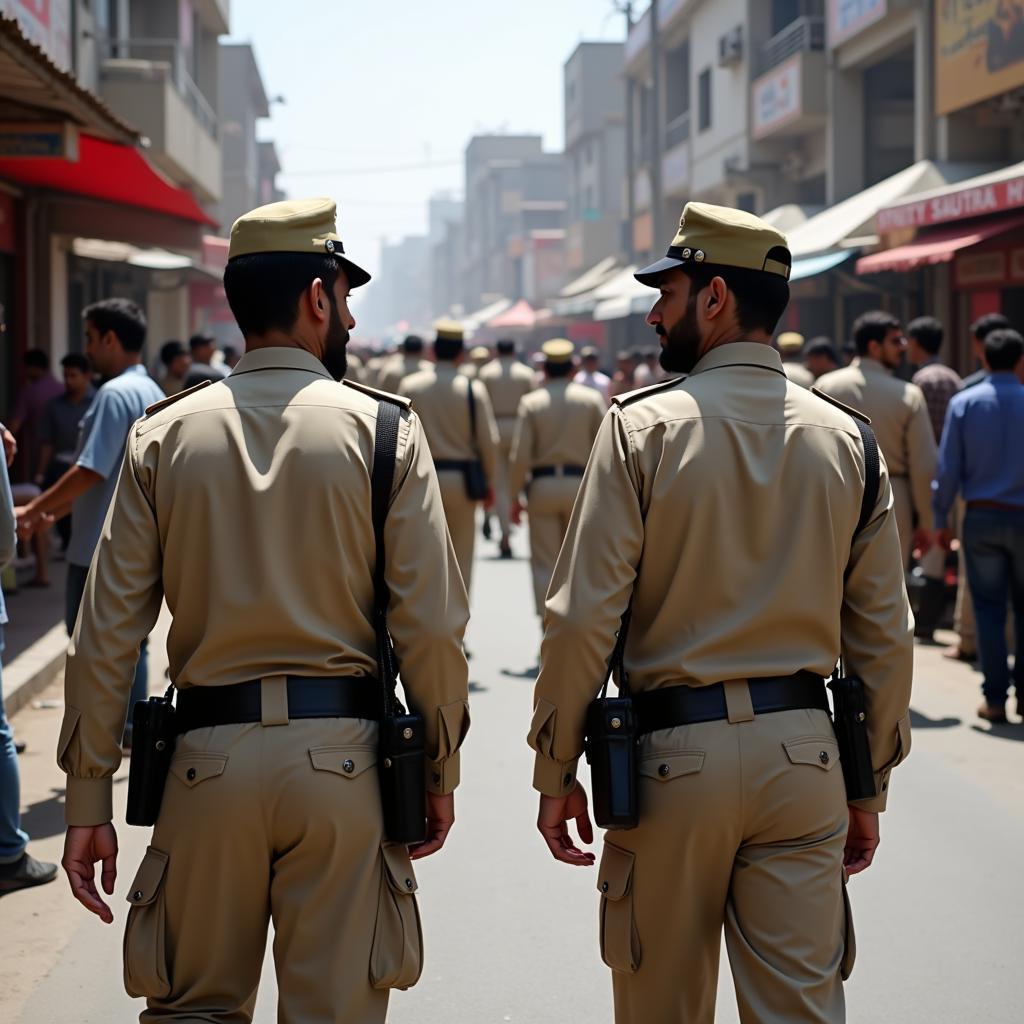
<point>848,17</point>
<point>1017,265</point>
<point>47,23</point>
<point>981,268</point>
<point>979,51</point>
<point>777,97</point>
<point>958,204</point>
<point>39,139</point>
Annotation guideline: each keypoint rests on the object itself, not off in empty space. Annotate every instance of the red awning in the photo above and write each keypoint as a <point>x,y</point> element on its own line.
<point>520,315</point>
<point>106,170</point>
<point>939,246</point>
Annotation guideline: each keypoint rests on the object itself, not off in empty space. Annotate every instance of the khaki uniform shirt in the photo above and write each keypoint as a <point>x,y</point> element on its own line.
<point>798,373</point>
<point>506,380</point>
<point>899,417</point>
<point>556,426</point>
<point>726,505</point>
<point>356,369</point>
<point>394,372</point>
<point>441,399</point>
<point>285,451</point>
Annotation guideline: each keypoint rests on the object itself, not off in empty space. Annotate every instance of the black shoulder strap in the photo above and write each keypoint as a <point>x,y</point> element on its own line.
<point>872,474</point>
<point>472,411</point>
<point>385,450</point>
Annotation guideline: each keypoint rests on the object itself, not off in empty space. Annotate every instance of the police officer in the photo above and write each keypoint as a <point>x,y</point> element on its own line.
<point>899,416</point>
<point>271,809</point>
<point>791,348</point>
<point>409,361</point>
<point>506,380</point>
<point>461,434</point>
<point>686,514</point>
<point>554,432</point>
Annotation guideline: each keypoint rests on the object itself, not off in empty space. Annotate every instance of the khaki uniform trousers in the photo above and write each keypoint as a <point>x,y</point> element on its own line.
<point>506,433</point>
<point>550,506</point>
<point>279,823</point>
<point>460,515</point>
<point>741,824</point>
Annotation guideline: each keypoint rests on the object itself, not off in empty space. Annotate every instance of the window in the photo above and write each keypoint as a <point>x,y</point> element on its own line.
<point>677,91</point>
<point>704,100</point>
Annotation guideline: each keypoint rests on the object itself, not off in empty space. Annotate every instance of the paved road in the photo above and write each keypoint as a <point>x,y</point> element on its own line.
<point>511,935</point>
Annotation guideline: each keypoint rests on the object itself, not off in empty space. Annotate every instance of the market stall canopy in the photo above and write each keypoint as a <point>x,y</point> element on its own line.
<point>622,295</point>
<point>851,223</point>
<point>938,246</point>
<point>34,89</point>
<point>578,296</point>
<point>147,259</point>
<point>789,216</point>
<point>521,316</point>
<point>108,171</point>
<point>476,320</point>
<point>814,265</point>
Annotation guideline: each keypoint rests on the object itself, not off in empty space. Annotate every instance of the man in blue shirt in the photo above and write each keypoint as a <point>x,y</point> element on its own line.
<point>115,332</point>
<point>979,457</point>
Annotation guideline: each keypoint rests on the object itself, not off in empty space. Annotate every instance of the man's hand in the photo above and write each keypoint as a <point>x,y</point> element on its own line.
<point>861,841</point>
<point>552,821</point>
<point>83,847</point>
<point>440,818</point>
<point>516,513</point>
<point>29,521</point>
<point>10,445</point>
<point>943,538</point>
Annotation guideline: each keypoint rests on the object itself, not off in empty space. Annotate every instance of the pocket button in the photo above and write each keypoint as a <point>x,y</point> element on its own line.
<point>190,774</point>
<point>823,757</point>
<point>348,766</point>
<point>663,770</point>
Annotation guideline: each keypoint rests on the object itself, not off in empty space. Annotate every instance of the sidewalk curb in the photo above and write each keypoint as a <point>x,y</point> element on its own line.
<point>34,669</point>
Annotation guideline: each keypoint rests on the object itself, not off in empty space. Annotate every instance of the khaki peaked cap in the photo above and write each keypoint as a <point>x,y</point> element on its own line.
<point>449,330</point>
<point>558,350</point>
<point>295,225</point>
<point>722,237</point>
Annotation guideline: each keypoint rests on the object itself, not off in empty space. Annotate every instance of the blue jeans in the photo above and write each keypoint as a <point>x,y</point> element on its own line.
<point>994,550</point>
<point>77,575</point>
<point>12,839</point>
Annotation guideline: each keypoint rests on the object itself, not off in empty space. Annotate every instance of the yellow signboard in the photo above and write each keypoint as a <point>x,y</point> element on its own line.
<point>979,51</point>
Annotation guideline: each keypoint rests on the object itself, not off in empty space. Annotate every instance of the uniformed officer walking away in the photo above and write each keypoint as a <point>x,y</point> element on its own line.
<point>404,364</point>
<point>272,809</point>
<point>791,348</point>
<point>506,380</point>
<point>724,510</point>
<point>554,432</point>
<point>463,437</point>
<point>899,417</point>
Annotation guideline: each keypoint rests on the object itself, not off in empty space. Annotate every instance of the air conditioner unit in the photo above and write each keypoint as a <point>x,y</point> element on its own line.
<point>730,47</point>
<point>733,164</point>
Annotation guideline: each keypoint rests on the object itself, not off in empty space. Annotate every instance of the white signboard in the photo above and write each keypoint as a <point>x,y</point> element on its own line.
<point>848,17</point>
<point>777,97</point>
<point>47,23</point>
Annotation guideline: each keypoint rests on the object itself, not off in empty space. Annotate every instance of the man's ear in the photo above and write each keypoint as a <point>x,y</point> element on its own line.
<point>717,295</point>
<point>318,300</point>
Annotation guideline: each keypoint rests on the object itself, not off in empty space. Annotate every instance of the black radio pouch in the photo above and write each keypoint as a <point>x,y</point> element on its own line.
<point>401,768</point>
<point>611,746</point>
<point>154,732</point>
<point>473,471</point>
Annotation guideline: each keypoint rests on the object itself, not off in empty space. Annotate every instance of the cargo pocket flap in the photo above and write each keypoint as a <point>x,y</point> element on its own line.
<point>67,731</point>
<point>398,867</point>
<point>616,872</point>
<point>819,751</point>
<point>346,761</point>
<point>665,767</point>
<point>192,769</point>
<point>148,878</point>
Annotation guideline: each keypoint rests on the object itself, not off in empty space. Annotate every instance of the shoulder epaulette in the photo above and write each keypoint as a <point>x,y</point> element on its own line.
<point>381,396</point>
<point>857,415</point>
<point>652,389</point>
<point>171,399</point>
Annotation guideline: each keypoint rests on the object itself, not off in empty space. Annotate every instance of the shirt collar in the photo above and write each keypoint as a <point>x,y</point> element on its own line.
<point>280,358</point>
<point>740,353</point>
<point>866,365</point>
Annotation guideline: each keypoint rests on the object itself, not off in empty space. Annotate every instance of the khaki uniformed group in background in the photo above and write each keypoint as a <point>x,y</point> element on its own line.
<point>716,512</point>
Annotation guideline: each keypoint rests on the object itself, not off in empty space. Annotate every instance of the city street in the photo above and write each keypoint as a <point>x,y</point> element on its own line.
<point>511,935</point>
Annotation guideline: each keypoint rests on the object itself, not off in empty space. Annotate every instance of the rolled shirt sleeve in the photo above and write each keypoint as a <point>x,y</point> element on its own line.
<point>109,422</point>
<point>429,608</point>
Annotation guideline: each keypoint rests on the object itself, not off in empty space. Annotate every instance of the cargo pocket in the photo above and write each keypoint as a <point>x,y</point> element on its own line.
<point>349,762</point>
<point>192,769</point>
<point>820,751</point>
<point>396,957</point>
<point>849,938</point>
<point>665,767</point>
<point>145,936</point>
<point>620,943</point>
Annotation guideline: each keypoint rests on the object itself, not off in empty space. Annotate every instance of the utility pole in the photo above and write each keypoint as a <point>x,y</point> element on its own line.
<point>657,205</point>
<point>626,7</point>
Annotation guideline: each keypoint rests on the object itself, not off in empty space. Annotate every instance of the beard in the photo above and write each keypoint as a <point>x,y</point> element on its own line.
<point>335,343</point>
<point>680,348</point>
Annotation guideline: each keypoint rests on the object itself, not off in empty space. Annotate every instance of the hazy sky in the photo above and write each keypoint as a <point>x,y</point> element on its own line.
<point>381,96</point>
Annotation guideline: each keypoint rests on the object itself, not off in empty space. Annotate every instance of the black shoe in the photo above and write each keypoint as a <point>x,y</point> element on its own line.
<point>25,873</point>
<point>487,527</point>
<point>506,551</point>
<point>20,746</point>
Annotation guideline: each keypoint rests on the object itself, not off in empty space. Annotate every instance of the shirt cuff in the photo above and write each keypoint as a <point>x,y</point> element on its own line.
<point>443,776</point>
<point>89,801</point>
<point>554,778</point>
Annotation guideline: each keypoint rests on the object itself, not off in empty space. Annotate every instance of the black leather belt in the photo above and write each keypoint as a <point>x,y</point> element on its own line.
<point>454,465</point>
<point>670,706</point>
<point>539,471</point>
<point>308,697</point>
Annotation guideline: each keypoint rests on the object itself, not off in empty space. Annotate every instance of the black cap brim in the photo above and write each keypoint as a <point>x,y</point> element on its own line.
<point>649,275</point>
<point>357,277</point>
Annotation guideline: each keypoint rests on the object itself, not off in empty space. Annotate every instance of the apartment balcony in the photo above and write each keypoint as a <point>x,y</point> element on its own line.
<point>789,98</point>
<point>216,14</point>
<point>805,35</point>
<point>156,94</point>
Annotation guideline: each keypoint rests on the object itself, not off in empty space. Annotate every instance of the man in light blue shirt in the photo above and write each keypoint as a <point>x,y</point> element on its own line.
<point>115,331</point>
<point>980,458</point>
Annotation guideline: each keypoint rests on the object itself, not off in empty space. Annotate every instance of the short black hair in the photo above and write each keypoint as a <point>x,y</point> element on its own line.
<point>413,344</point>
<point>229,352</point>
<point>761,298</point>
<point>873,326</point>
<point>927,332</point>
<point>447,349</point>
<point>121,316</point>
<point>263,289</point>
<point>984,325</point>
<point>506,347</point>
<point>559,370</point>
<point>1004,348</point>
<point>75,361</point>
<point>200,339</point>
<point>822,346</point>
<point>170,350</point>
<point>37,359</point>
